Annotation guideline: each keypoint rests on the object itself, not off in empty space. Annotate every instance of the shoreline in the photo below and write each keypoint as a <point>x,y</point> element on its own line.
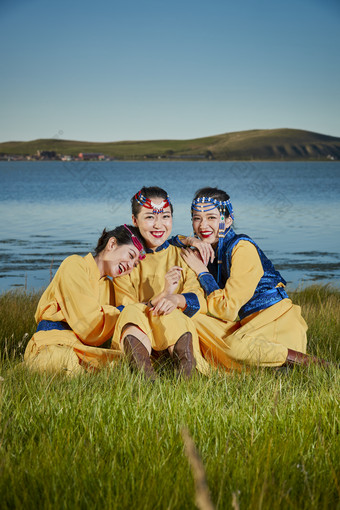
<point>173,160</point>
<point>252,145</point>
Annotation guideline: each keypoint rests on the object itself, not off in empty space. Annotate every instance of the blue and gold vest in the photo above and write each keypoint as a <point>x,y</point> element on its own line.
<point>266,293</point>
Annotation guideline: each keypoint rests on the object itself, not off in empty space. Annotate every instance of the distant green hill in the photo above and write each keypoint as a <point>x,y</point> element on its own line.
<point>258,144</point>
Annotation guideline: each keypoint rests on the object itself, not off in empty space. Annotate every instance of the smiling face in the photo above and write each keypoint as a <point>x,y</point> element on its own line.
<point>154,228</point>
<point>206,224</point>
<point>118,260</point>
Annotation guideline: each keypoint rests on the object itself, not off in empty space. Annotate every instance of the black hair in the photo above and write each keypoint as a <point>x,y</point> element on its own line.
<point>215,193</point>
<point>121,234</point>
<point>149,192</point>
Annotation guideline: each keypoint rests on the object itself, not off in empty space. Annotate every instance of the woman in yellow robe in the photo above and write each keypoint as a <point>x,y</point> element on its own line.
<point>251,319</point>
<point>76,313</point>
<point>160,296</point>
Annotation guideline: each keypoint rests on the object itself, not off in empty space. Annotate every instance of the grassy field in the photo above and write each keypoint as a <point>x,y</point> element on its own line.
<point>258,144</point>
<point>268,440</point>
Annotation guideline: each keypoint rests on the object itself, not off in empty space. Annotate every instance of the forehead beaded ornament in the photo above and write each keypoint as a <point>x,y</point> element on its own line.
<point>205,204</point>
<point>137,244</point>
<point>149,204</point>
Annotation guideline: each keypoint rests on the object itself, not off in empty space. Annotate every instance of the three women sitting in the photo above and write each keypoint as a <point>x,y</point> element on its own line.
<point>251,319</point>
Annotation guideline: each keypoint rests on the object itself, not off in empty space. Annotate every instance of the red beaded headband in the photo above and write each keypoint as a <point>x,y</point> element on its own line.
<point>149,204</point>
<point>137,244</point>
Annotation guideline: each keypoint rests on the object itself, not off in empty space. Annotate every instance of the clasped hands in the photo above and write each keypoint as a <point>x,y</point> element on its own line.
<point>198,259</point>
<point>165,302</point>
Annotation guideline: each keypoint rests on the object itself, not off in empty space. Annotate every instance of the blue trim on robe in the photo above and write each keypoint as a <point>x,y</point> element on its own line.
<point>266,299</point>
<point>50,325</point>
<point>208,283</point>
<point>163,246</point>
<point>175,241</point>
<point>120,308</point>
<point>193,305</point>
<point>267,292</point>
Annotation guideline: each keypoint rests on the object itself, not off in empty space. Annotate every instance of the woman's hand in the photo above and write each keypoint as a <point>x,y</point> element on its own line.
<point>172,279</point>
<point>165,305</point>
<point>193,259</point>
<point>205,249</point>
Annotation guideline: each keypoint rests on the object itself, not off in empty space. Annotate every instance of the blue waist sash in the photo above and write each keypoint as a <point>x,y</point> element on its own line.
<point>49,325</point>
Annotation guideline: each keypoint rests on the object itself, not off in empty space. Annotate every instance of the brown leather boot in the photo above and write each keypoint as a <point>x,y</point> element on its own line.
<point>298,358</point>
<point>138,356</point>
<point>184,356</point>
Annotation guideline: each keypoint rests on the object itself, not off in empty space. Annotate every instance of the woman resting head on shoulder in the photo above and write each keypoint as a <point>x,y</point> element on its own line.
<point>76,314</point>
<point>118,251</point>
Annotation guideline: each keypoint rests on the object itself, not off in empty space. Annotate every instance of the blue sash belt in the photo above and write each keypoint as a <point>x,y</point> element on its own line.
<point>49,325</point>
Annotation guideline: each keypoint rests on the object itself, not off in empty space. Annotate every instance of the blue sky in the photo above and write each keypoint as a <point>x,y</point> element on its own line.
<point>145,69</point>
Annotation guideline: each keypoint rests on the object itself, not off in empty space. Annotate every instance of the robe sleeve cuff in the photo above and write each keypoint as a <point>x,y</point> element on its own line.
<point>193,305</point>
<point>120,308</point>
<point>176,241</point>
<point>208,283</point>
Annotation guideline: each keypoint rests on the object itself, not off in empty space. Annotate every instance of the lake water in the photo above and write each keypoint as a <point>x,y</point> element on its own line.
<point>50,210</point>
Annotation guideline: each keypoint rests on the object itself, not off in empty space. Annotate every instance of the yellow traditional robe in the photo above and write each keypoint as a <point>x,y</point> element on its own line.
<point>260,339</point>
<point>77,295</point>
<point>141,285</point>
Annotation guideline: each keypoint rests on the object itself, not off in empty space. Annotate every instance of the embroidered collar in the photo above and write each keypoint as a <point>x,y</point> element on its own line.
<point>163,246</point>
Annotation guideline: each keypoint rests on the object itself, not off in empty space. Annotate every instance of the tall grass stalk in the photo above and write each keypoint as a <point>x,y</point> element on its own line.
<point>267,440</point>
